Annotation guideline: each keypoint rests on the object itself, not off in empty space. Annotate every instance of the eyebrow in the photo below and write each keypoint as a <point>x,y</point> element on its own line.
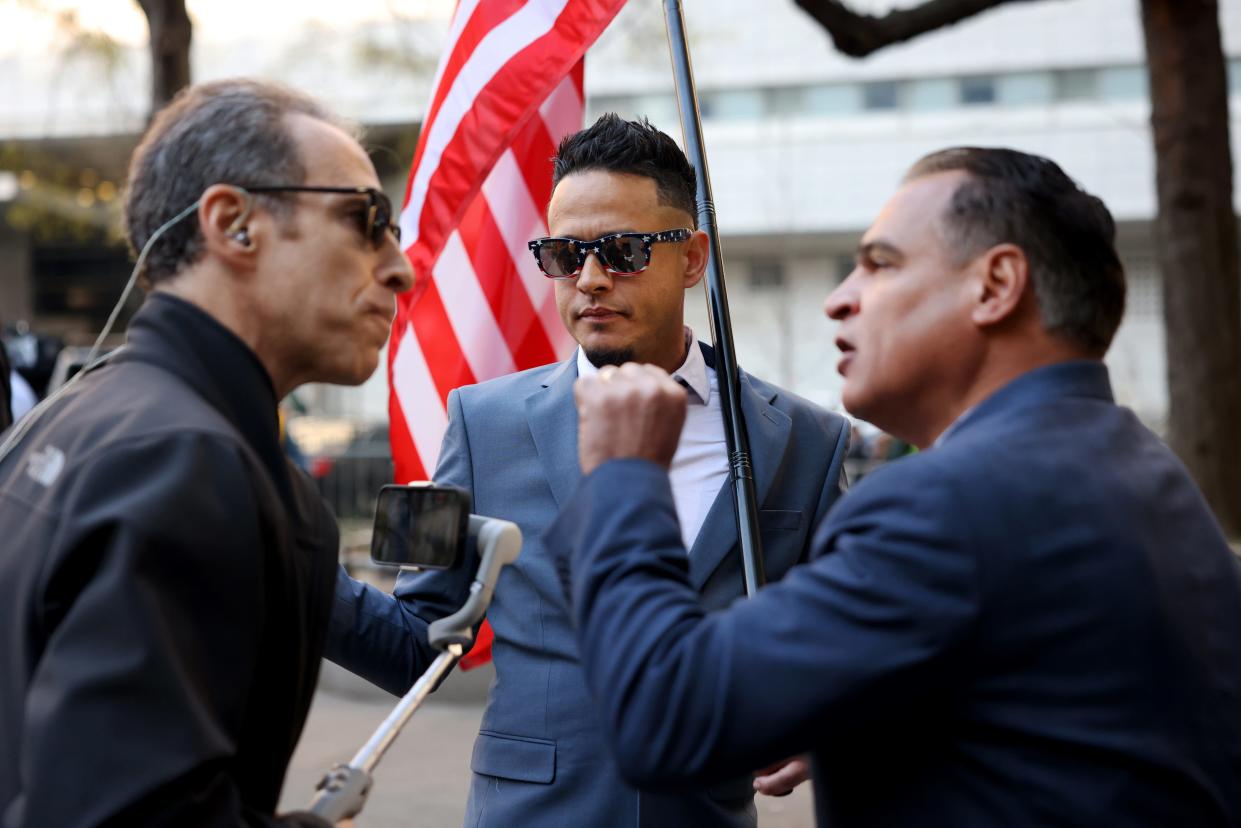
<point>866,250</point>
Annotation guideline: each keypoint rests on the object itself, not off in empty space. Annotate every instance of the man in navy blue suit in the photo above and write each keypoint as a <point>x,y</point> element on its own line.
<point>1034,621</point>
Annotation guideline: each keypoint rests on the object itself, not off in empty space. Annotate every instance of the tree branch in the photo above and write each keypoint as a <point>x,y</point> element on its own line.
<point>858,35</point>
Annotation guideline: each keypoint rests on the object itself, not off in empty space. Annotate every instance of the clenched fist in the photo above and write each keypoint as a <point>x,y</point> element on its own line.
<point>635,411</point>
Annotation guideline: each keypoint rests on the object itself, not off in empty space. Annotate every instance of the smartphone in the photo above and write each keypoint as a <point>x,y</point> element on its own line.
<point>421,527</point>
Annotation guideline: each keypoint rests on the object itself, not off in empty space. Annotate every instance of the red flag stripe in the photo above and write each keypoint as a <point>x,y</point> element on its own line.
<point>439,345</point>
<point>482,20</point>
<point>520,219</point>
<point>483,69</point>
<point>507,89</point>
<point>497,274</point>
<point>499,109</point>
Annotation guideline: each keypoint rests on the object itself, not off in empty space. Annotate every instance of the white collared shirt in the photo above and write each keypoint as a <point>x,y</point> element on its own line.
<point>700,466</point>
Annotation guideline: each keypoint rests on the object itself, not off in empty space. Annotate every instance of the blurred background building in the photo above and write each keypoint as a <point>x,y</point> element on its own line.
<point>804,145</point>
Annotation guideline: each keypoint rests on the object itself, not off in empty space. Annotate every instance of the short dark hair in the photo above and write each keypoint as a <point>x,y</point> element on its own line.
<point>1067,235</point>
<point>231,131</point>
<point>615,145</point>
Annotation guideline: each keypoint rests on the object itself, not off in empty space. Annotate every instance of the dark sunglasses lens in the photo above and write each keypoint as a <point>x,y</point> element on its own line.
<point>623,254</point>
<point>558,258</point>
<point>379,220</point>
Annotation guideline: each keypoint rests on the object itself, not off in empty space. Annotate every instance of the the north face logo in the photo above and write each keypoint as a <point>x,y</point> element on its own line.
<point>45,465</point>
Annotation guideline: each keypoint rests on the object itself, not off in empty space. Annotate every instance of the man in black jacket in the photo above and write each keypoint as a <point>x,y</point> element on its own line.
<point>166,576</point>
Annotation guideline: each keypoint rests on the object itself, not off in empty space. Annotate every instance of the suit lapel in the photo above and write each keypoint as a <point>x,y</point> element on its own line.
<point>552,416</point>
<point>769,430</point>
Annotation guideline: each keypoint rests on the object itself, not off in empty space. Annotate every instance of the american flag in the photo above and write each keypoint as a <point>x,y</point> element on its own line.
<point>508,88</point>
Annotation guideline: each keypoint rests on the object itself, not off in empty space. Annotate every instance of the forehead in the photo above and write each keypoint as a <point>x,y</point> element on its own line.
<point>596,202</point>
<point>331,156</point>
<point>912,215</point>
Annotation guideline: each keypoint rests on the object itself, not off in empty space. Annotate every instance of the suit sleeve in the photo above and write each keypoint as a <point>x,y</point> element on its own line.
<point>152,603</point>
<point>690,697</point>
<point>383,637</point>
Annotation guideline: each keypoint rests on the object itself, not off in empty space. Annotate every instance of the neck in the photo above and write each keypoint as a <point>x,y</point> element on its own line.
<point>229,306</point>
<point>996,369</point>
<point>673,357</point>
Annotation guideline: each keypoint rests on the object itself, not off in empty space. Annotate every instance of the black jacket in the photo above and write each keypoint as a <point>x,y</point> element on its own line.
<point>165,585</point>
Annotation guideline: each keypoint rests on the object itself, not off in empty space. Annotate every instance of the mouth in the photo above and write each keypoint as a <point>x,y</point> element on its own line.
<point>381,315</point>
<point>846,354</point>
<point>597,313</point>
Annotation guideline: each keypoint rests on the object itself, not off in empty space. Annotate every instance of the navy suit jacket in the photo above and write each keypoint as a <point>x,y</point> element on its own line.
<point>1036,622</point>
<point>541,757</point>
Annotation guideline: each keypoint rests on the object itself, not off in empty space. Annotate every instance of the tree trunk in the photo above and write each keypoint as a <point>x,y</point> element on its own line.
<point>1196,234</point>
<point>170,29</point>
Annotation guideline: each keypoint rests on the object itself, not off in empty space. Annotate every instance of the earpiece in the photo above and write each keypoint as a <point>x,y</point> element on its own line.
<point>238,228</point>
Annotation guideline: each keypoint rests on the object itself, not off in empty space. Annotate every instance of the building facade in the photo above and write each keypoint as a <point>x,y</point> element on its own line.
<point>804,147</point>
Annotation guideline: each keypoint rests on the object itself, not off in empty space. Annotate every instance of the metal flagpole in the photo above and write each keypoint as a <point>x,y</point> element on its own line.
<point>735,435</point>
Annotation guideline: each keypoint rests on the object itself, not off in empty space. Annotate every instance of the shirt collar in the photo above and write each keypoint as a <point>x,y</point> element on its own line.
<point>692,373</point>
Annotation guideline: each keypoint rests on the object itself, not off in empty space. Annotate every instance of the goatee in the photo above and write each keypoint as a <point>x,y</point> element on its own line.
<point>609,356</point>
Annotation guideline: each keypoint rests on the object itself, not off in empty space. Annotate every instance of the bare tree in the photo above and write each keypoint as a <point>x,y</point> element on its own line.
<point>1196,227</point>
<point>170,29</point>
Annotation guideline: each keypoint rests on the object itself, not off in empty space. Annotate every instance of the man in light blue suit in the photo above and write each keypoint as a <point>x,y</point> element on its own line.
<point>1035,621</point>
<point>623,252</point>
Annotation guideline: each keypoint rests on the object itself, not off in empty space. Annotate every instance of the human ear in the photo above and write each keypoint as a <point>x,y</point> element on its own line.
<point>697,250</point>
<point>1002,275</point>
<point>224,214</point>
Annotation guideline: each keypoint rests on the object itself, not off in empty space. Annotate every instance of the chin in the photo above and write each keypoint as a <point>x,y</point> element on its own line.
<point>359,372</point>
<point>855,403</point>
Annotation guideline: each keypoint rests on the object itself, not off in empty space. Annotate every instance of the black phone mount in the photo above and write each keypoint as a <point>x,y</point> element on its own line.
<point>343,790</point>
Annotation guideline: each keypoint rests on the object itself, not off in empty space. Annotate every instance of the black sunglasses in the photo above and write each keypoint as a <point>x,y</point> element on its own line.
<point>378,208</point>
<point>627,253</point>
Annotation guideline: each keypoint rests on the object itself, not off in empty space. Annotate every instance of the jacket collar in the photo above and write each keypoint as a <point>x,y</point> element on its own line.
<point>1086,378</point>
<point>552,415</point>
<point>769,430</point>
<point>185,340</point>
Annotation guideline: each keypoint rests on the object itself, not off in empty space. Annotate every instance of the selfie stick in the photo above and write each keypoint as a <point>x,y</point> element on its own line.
<point>735,437</point>
<point>343,790</point>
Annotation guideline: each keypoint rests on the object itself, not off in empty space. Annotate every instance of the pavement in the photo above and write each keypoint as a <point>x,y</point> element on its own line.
<point>424,778</point>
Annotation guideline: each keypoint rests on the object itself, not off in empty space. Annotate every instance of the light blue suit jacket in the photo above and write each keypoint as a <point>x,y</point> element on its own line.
<point>541,758</point>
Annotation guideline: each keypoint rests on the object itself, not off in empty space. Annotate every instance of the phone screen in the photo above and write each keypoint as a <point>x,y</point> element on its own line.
<point>421,526</point>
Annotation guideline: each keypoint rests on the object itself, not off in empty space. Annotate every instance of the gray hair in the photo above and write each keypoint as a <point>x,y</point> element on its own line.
<point>231,131</point>
<point>1067,235</point>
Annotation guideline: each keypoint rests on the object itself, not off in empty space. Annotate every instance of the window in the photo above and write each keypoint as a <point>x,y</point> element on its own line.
<point>767,274</point>
<point>1025,88</point>
<point>1077,85</point>
<point>880,95</point>
<point>976,91</point>
<point>620,104</point>
<point>931,94</point>
<point>786,101</point>
<point>732,105</point>
<point>1123,83</point>
<point>833,99</point>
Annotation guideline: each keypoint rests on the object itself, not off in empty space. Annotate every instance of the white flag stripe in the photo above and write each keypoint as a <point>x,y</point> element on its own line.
<point>420,401</point>
<point>482,342</point>
<point>519,220</point>
<point>465,10</point>
<point>562,111</point>
<point>533,21</point>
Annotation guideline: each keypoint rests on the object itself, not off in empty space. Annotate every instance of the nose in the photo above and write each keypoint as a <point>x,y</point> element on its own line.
<point>594,278</point>
<point>394,271</point>
<point>843,301</point>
